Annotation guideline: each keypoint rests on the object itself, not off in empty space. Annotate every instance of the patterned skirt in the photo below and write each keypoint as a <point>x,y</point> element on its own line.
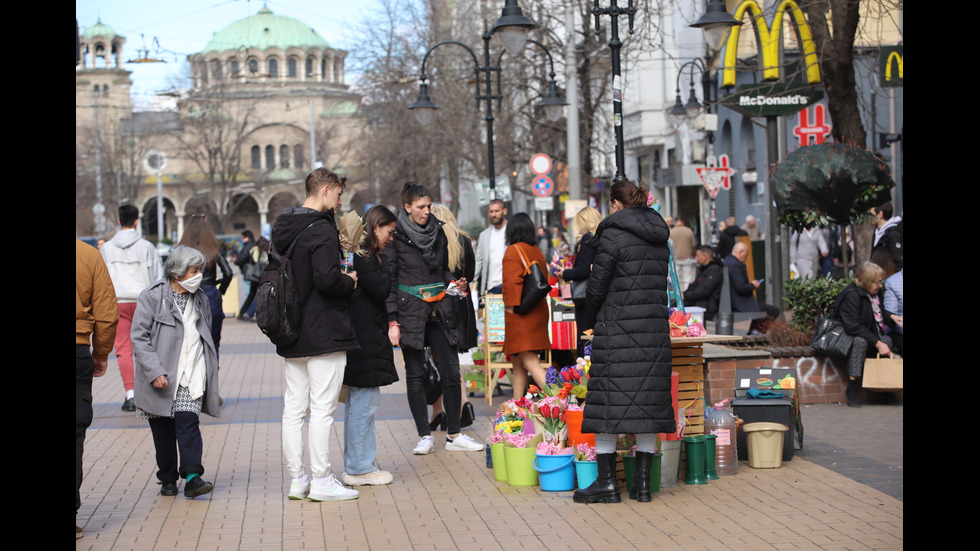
<point>183,402</point>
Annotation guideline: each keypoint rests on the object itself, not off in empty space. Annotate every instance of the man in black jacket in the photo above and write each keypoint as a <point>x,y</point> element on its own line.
<point>889,234</point>
<point>315,363</point>
<point>705,291</point>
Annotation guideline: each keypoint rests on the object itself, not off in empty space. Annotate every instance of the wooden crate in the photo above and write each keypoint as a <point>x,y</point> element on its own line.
<point>688,363</point>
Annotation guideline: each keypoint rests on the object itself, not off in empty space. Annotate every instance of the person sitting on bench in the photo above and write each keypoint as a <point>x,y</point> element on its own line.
<point>743,299</point>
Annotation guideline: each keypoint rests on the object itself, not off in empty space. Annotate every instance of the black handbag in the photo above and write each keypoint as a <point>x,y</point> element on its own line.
<point>579,288</point>
<point>433,381</point>
<point>534,288</point>
<point>830,339</point>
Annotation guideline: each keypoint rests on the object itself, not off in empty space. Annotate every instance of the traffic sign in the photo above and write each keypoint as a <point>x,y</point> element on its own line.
<point>543,186</point>
<point>716,177</point>
<point>540,164</point>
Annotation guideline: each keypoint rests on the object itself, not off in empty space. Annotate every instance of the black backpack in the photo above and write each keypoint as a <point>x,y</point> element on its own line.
<point>278,311</point>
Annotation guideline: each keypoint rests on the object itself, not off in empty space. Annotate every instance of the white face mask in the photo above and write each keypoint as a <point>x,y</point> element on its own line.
<point>192,283</point>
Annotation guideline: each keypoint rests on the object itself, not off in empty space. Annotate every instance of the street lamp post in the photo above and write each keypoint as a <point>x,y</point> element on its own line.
<point>512,28</point>
<point>614,11</point>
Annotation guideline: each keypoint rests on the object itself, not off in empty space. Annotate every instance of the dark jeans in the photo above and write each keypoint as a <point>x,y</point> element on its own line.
<point>84,369</point>
<point>448,362</point>
<point>248,307</point>
<point>217,313</point>
<point>183,433</point>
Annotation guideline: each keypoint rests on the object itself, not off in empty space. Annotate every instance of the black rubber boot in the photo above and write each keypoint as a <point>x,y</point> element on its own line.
<point>605,489</point>
<point>641,477</point>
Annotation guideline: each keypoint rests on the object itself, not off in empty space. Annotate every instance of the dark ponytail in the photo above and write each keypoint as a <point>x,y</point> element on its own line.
<point>412,192</point>
<point>629,194</point>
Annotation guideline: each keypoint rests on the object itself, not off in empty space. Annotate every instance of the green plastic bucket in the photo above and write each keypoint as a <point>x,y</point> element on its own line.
<point>520,466</point>
<point>499,463</point>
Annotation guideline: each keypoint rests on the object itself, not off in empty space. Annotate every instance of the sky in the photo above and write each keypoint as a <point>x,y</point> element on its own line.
<point>183,27</point>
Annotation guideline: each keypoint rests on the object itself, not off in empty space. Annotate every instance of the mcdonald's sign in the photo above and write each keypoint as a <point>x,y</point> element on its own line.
<point>890,63</point>
<point>769,37</point>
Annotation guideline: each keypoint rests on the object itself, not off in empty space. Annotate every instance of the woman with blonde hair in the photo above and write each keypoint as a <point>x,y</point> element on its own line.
<point>861,308</point>
<point>462,264</point>
<point>584,224</point>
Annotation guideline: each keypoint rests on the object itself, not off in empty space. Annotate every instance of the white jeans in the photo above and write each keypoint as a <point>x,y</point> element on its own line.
<point>313,384</point>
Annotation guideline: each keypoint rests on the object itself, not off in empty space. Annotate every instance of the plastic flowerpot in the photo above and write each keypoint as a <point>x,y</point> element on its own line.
<point>695,460</point>
<point>499,462</point>
<point>555,472</point>
<point>586,472</point>
<point>573,420</point>
<point>520,466</point>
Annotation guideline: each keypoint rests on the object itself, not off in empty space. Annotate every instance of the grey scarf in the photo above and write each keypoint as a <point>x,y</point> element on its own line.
<point>422,236</point>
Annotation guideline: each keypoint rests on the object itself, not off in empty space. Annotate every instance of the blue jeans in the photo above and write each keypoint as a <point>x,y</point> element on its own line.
<point>360,448</point>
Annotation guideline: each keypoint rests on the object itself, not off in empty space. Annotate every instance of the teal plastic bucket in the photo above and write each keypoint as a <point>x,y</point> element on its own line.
<point>556,473</point>
<point>586,472</point>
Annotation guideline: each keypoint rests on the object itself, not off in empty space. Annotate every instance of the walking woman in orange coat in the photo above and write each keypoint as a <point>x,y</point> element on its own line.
<point>526,334</point>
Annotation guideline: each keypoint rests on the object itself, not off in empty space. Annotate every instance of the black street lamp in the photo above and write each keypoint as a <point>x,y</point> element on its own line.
<point>512,28</point>
<point>716,23</point>
<point>614,11</point>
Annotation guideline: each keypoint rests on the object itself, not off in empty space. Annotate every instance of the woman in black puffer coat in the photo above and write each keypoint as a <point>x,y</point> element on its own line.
<point>626,305</point>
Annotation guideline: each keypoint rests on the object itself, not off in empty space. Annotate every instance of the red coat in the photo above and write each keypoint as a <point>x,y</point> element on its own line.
<point>530,331</point>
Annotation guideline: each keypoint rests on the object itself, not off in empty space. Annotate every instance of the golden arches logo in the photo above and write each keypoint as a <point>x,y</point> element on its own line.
<point>897,59</point>
<point>769,36</point>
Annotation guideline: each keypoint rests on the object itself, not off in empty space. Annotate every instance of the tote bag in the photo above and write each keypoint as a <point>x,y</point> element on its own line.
<point>534,288</point>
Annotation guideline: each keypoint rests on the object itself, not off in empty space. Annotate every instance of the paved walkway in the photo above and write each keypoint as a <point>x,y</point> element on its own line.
<point>842,491</point>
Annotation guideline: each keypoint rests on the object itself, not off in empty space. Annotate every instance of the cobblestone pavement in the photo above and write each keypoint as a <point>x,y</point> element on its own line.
<point>843,490</point>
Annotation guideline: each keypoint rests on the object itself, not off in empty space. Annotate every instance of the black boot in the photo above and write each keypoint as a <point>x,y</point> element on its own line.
<point>852,393</point>
<point>641,477</point>
<point>605,489</point>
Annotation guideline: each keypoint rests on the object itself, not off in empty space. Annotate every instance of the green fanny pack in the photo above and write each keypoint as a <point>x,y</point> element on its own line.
<point>430,292</point>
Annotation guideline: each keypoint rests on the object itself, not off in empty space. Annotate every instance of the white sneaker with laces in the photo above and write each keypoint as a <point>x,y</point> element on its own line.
<point>373,478</point>
<point>329,488</point>
<point>463,443</point>
<point>300,488</point>
<point>425,446</point>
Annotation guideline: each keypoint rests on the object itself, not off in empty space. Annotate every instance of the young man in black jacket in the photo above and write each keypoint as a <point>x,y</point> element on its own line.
<point>315,363</point>
<point>705,291</point>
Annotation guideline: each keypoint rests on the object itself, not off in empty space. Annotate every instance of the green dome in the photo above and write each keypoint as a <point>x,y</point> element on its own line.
<point>265,30</point>
<point>99,29</point>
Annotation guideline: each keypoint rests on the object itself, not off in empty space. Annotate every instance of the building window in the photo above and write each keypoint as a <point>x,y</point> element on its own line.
<point>253,66</point>
<point>309,67</point>
<point>234,68</point>
<point>323,70</point>
<point>216,69</point>
<point>283,156</point>
<point>292,67</point>
<point>298,155</point>
<point>273,67</point>
<point>105,89</point>
<point>270,157</point>
<point>256,157</point>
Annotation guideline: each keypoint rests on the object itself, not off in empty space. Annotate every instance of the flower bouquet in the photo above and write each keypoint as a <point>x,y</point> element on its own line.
<point>550,413</point>
<point>682,325</point>
<point>586,468</point>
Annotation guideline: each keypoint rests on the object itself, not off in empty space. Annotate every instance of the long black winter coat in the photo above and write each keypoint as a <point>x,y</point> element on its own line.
<point>374,363</point>
<point>322,288</point>
<point>853,309</point>
<point>626,303</point>
<point>407,267</point>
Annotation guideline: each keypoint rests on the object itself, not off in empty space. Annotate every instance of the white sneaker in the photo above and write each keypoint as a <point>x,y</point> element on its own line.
<point>424,447</point>
<point>300,488</point>
<point>463,443</point>
<point>373,478</point>
<point>329,489</point>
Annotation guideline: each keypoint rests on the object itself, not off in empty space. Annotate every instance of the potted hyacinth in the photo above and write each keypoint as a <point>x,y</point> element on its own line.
<point>553,462</point>
<point>586,468</point>
<point>509,419</point>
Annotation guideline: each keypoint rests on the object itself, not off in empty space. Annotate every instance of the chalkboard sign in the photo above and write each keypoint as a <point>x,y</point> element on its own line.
<point>495,318</point>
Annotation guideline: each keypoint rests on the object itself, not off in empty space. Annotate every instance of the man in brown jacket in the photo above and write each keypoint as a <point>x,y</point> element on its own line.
<point>96,315</point>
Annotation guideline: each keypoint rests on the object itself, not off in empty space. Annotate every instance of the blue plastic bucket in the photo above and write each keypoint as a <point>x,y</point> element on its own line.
<point>586,472</point>
<point>555,472</point>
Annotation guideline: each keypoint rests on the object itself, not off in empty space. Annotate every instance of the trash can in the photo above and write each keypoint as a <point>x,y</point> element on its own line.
<point>770,410</point>
<point>765,442</point>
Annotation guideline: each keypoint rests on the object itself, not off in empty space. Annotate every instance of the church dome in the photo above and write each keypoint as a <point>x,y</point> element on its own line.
<point>99,29</point>
<point>265,30</point>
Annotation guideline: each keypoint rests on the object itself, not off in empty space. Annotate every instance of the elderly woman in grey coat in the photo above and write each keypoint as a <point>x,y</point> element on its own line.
<point>176,374</point>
